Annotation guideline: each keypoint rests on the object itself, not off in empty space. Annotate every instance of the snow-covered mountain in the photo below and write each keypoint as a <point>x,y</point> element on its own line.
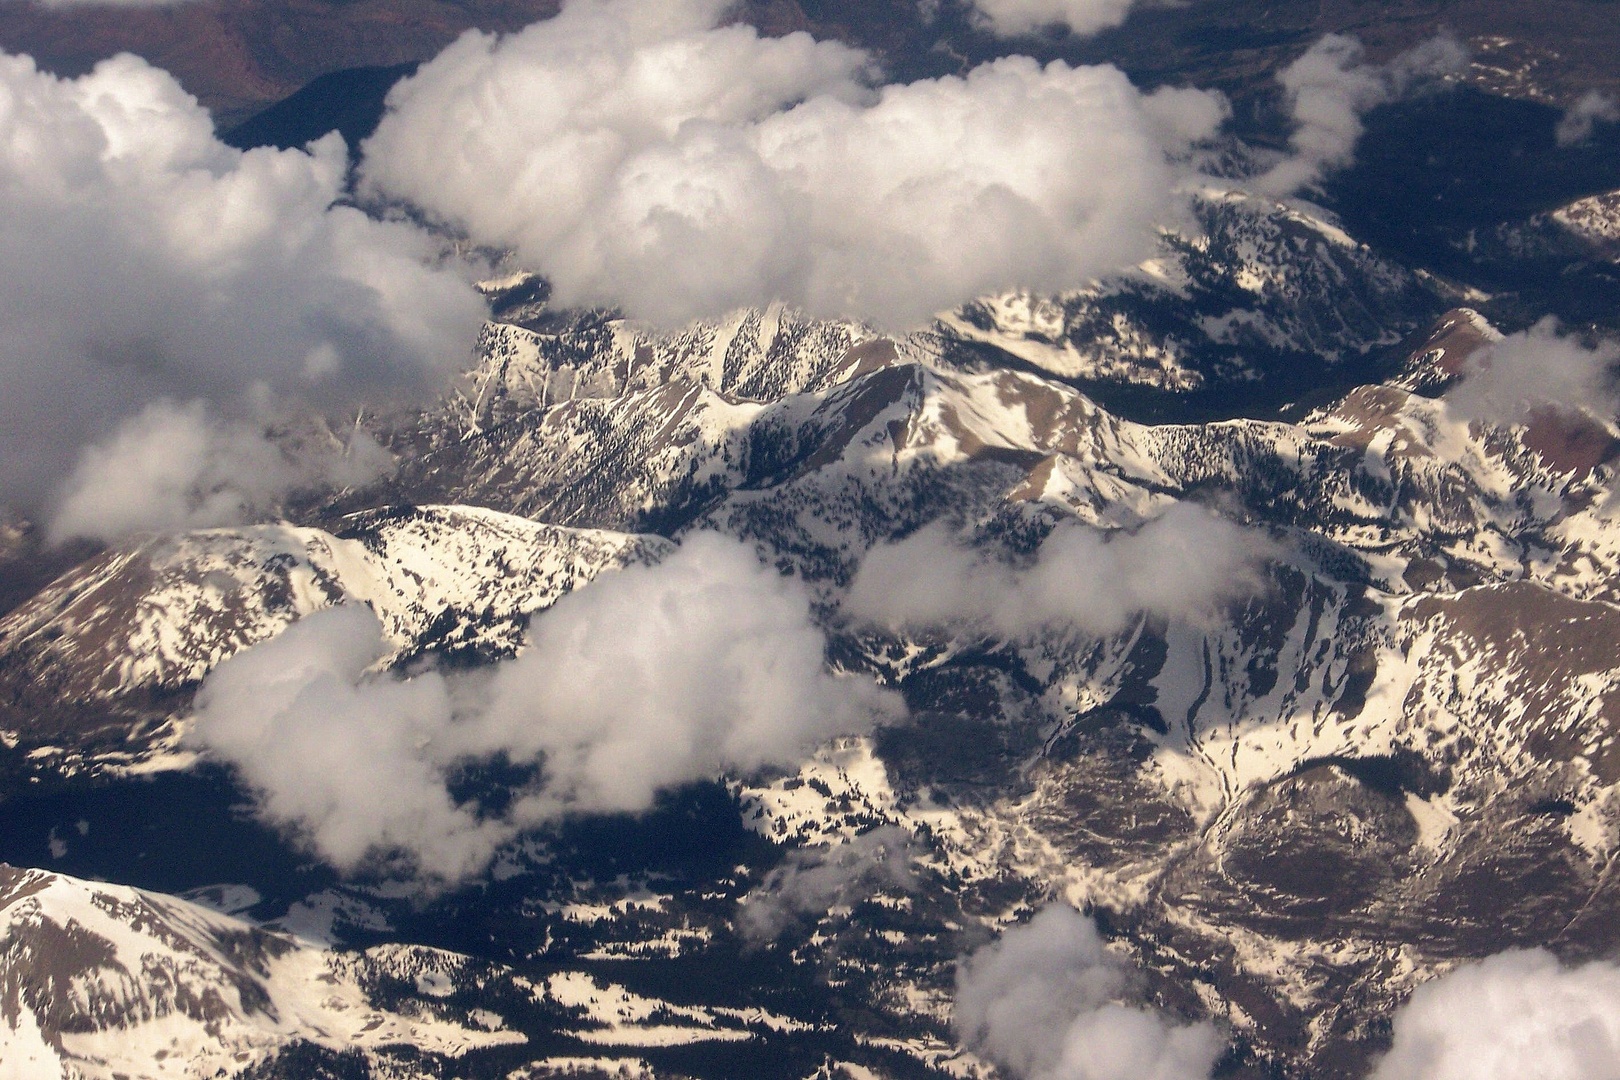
<point>1399,750</point>
<point>102,981</point>
<point>97,658</point>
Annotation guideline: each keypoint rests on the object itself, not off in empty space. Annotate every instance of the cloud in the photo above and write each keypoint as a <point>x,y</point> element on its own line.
<point>145,260</point>
<point>1181,565</point>
<point>1517,1014</point>
<point>1011,18</point>
<point>173,466</point>
<point>646,679</point>
<point>659,675</point>
<point>354,762</point>
<point>1329,88</point>
<point>1534,369</point>
<point>641,157</point>
<point>1046,1003</point>
<point>811,881</point>
<point>1575,126</point>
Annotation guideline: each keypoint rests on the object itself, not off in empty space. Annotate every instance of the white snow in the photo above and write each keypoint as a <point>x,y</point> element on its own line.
<point>621,1017</point>
<point>312,993</point>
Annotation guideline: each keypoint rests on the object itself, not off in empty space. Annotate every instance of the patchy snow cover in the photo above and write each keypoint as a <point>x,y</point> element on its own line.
<point>841,791</point>
<point>161,614</point>
<point>1446,590</point>
<point>1595,218</point>
<point>619,1017</point>
<point>1261,279</point>
<point>752,354</point>
<point>619,1068</point>
<point>106,981</point>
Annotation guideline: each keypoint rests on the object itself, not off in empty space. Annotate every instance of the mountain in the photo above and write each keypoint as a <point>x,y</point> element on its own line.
<point>1395,752</point>
<point>95,662</point>
<point>1469,185</point>
<point>240,56</point>
<point>101,980</point>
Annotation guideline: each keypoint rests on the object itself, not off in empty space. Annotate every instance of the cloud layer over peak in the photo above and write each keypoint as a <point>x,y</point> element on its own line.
<point>1180,565</point>
<point>176,467</point>
<point>648,678</point>
<point>1538,368</point>
<point>1045,1002</point>
<point>144,260</point>
<point>1329,88</point>
<point>674,168</point>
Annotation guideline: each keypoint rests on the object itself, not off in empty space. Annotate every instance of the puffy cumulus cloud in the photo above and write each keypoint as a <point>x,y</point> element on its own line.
<point>1575,126</point>
<point>812,881</point>
<point>1046,1002</point>
<point>355,762</point>
<point>1010,18</point>
<point>1328,90</point>
<point>144,259</point>
<point>648,678</point>
<point>642,157</point>
<point>658,675</point>
<point>1181,565</point>
<point>173,466</point>
<point>1536,369</point>
<point>1517,1014</point>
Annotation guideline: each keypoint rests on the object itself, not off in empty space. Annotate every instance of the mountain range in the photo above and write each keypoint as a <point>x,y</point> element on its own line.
<point>1395,751</point>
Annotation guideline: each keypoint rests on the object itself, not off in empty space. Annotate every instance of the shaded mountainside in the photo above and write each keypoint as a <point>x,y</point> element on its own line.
<point>1473,186</point>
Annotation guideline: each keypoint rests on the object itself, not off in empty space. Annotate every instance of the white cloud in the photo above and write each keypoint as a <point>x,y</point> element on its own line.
<point>1046,1002</point>
<point>1575,126</point>
<point>1537,368</point>
<point>353,761</point>
<point>648,678</point>
<point>1181,565</point>
<point>1518,1014</point>
<point>813,880</point>
<point>144,259</point>
<point>651,161</point>
<point>658,675</point>
<point>1329,88</point>
<point>1010,18</point>
<point>173,466</point>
